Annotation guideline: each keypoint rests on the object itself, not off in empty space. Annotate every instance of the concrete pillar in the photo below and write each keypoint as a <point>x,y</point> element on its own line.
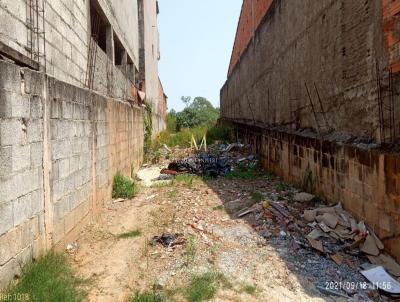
<point>110,44</point>
<point>124,62</point>
<point>111,62</point>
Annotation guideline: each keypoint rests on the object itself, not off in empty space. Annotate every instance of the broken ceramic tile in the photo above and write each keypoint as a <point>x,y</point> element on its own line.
<point>369,246</point>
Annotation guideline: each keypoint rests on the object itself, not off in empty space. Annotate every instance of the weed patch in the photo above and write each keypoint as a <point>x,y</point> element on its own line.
<point>204,287</point>
<point>187,179</point>
<point>162,184</point>
<point>190,250</point>
<point>214,249</point>
<point>183,137</point>
<point>49,279</point>
<point>131,234</point>
<point>249,289</point>
<point>173,194</point>
<point>148,297</point>
<point>123,187</point>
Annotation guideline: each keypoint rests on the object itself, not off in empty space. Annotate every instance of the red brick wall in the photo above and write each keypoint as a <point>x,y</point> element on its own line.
<point>251,16</point>
<point>391,16</point>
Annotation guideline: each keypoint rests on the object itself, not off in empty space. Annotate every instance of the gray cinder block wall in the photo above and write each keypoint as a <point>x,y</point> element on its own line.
<point>67,28</point>
<point>60,147</point>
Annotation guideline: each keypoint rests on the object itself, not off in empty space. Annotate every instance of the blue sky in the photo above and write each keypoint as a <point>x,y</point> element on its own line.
<point>196,43</point>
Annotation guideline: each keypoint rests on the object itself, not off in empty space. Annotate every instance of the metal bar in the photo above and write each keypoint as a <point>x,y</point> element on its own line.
<point>380,109</point>
<point>313,109</point>
<point>36,29</point>
<point>44,35</point>
<point>31,28</point>
<point>391,106</point>
<point>322,108</point>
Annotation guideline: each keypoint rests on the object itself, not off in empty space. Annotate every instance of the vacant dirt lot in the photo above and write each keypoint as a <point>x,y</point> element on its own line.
<point>255,256</point>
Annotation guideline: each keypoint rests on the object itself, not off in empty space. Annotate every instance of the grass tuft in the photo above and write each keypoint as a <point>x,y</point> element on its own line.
<point>249,289</point>
<point>131,234</point>
<point>187,179</point>
<point>49,279</point>
<point>202,288</point>
<point>148,297</point>
<point>173,194</point>
<point>123,187</point>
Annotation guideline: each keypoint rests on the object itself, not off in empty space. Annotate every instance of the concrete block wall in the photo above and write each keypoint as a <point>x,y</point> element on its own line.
<point>365,181</point>
<point>60,147</point>
<point>67,32</point>
<point>71,151</point>
<point>332,46</point>
<point>21,172</point>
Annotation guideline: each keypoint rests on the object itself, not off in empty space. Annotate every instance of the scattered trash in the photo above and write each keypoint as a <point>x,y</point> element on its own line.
<point>119,200</point>
<point>381,279</point>
<point>387,262</point>
<point>233,147</point>
<point>72,248</point>
<point>283,234</point>
<point>163,177</point>
<point>214,162</point>
<point>168,240</point>
<point>167,149</point>
<point>151,197</point>
<point>168,172</point>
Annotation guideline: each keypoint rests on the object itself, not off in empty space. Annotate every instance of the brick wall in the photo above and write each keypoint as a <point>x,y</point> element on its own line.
<point>331,46</point>
<point>253,11</point>
<point>391,17</point>
<point>366,181</point>
<point>60,147</point>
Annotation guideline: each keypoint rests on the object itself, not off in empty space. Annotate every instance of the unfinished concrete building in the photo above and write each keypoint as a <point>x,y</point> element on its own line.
<point>73,78</point>
<point>314,86</point>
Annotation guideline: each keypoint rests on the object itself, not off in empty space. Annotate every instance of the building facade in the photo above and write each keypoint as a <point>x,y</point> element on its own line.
<point>314,85</point>
<point>73,78</point>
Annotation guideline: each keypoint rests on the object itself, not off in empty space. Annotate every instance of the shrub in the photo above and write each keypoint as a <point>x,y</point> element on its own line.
<point>123,187</point>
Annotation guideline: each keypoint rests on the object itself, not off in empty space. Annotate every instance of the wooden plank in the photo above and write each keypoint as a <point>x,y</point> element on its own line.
<point>16,56</point>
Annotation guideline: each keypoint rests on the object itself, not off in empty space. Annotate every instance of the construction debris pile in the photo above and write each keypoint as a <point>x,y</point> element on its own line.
<point>320,234</point>
<point>219,160</point>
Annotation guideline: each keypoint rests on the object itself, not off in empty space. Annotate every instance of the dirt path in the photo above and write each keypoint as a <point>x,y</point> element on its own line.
<point>216,242</point>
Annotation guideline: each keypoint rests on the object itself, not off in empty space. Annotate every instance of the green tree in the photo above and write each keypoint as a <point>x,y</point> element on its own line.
<point>186,100</point>
<point>197,112</point>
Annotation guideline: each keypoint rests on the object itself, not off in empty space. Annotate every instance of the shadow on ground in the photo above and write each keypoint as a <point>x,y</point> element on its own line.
<point>287,240</point>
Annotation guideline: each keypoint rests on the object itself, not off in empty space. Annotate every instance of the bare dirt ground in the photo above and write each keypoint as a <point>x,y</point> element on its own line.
<point>216,241</point>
